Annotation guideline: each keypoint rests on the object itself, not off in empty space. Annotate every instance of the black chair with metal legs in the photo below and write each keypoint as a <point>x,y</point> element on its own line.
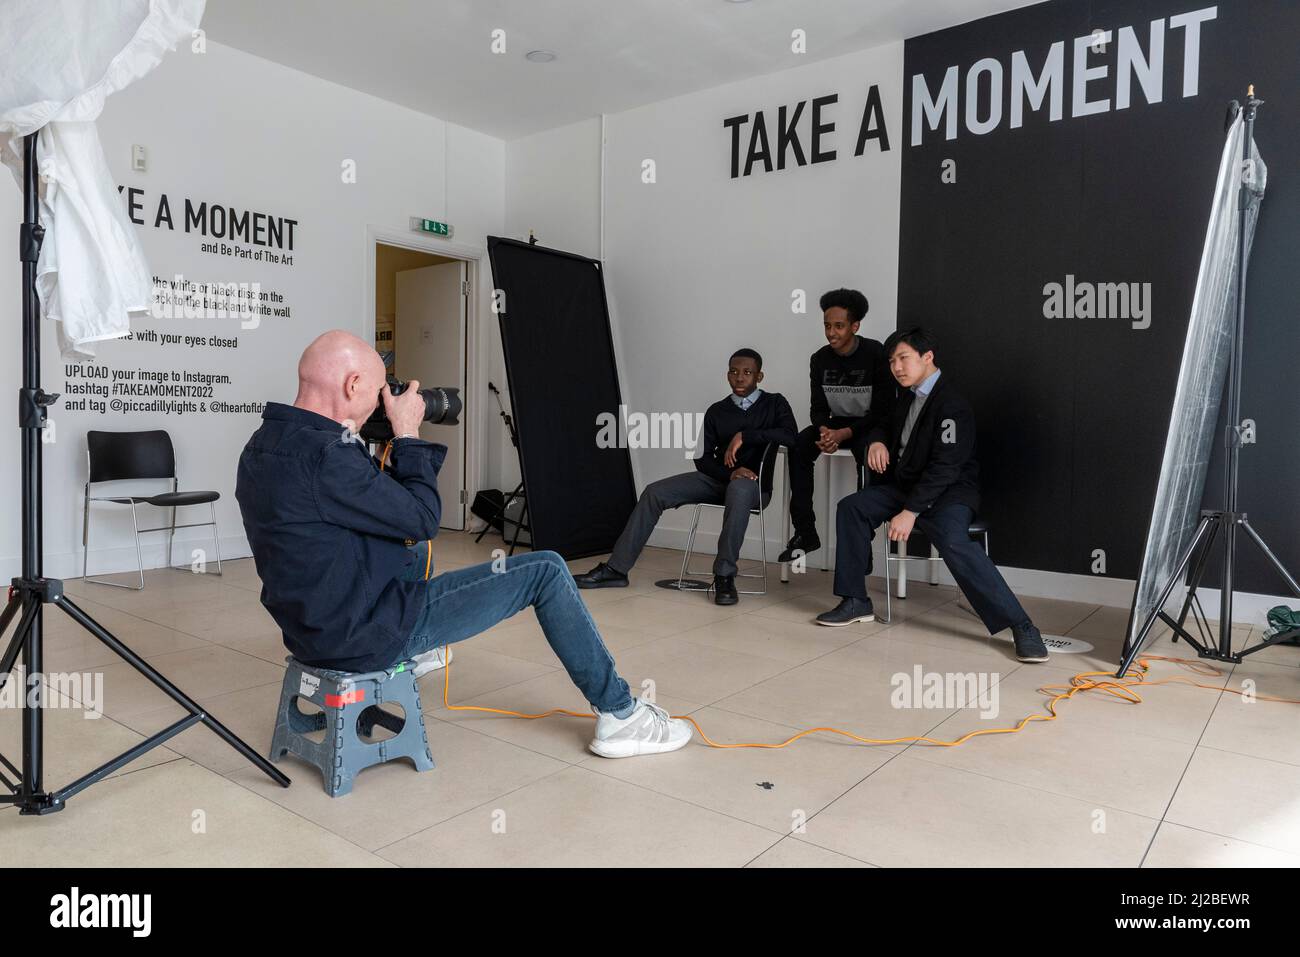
<point>124,456</point>
<point>766,469</point>
<point>978,529</point>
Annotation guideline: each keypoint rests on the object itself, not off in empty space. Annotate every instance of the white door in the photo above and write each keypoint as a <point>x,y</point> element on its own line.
<point>429,345</point>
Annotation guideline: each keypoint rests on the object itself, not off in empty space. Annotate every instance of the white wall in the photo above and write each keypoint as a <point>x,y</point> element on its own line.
<point>234,129</point>
<point>553,188</point>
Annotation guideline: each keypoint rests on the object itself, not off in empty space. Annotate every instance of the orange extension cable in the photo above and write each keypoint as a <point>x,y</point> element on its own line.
<point>1103,681</point>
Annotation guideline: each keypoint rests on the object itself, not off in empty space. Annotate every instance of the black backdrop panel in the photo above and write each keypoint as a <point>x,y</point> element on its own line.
<point>1073,413</point>
<point>559,354</point>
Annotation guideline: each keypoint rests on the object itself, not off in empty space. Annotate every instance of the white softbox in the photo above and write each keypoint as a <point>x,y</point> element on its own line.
<point>62,59</point>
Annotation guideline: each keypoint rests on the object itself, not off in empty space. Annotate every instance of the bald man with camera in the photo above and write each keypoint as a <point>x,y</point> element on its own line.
<point>342,541</point>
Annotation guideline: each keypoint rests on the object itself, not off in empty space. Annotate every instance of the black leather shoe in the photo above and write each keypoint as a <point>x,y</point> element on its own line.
<point>1029,642</point>
<point>724,590</point>
<point>602,576</point>
<point>801,542</point>
<point>847,612</point>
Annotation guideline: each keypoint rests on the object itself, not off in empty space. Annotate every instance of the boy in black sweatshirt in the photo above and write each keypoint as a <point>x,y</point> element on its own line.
<point>737,429</point>
<point>852,392</point>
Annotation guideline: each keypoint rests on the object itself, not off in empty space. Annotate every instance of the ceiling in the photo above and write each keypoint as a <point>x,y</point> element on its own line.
<point>435,56</point>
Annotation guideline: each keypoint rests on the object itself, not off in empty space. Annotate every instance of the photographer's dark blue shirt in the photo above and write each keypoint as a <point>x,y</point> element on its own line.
<point>329,534</point>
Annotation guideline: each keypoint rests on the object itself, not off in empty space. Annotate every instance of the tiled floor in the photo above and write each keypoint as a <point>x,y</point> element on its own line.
<point>1191,776</point>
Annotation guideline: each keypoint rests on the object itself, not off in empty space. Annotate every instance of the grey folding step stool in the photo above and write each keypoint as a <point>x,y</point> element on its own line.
<point>349,704</point>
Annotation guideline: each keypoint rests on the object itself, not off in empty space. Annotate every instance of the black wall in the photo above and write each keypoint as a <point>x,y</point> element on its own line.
<point>1073,413</point>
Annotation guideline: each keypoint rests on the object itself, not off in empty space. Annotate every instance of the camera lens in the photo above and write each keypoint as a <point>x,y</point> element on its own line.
<point>442,406</point>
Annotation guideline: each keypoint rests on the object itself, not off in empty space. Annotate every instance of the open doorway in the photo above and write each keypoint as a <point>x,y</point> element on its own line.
<point>421,317</point>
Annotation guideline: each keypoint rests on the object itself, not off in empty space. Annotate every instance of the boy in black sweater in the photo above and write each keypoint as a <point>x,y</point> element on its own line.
<point>737,430</point>
<point>852,392</point>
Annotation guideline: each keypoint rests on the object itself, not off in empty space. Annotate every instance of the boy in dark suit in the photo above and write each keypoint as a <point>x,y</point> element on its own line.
<point>737,429</point>
<point>928,447</point>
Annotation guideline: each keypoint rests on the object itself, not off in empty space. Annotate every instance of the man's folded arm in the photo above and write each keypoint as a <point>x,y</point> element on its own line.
<point>403,503</point>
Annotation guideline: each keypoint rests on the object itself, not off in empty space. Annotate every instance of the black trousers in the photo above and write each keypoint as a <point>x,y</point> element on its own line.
<point>948,529</point>
<point>803,457</point>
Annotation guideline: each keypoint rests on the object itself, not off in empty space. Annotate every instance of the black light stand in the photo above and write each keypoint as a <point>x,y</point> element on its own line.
<point>518,493</point>
<point>1223,521</point>
<point>31,591</point>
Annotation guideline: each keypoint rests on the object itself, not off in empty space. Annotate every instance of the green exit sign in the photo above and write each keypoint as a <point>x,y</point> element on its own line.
<point>431,226</point>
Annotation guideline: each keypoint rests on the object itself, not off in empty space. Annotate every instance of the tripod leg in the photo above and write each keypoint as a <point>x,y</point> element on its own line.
<point>20,634</point>
<point>11,609</point>
<point>518,528</point>
<point>487,523</point>
<point>1202,559</point>
<point>519,525</point>
<point>501,514</point>
<point>169,689</point>
<point>1130,652</point>
<point>1268,553</point>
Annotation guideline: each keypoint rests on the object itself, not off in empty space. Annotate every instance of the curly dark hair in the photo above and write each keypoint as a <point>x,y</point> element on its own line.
<point>850,300</point>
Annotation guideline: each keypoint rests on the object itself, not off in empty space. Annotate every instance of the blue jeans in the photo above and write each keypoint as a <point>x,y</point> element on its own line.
<point>462,603</point>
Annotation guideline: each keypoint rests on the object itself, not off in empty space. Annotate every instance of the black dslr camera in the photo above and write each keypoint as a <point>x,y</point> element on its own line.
<point>442,406</point>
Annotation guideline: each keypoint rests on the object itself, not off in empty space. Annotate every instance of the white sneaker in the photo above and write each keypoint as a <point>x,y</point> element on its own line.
<point>647,730</point>
<point>431,660</point>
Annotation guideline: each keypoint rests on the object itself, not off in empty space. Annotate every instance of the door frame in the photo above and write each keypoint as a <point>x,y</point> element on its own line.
<point>476,336</point>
